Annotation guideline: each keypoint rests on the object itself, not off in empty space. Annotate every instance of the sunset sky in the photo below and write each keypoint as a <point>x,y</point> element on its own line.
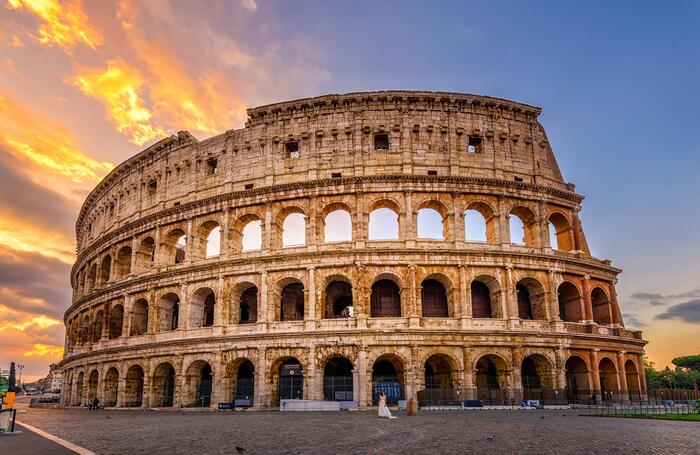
<point>85,85</point>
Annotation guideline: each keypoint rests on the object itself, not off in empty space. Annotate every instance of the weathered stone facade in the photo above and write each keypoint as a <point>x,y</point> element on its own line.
<point>152,321</point>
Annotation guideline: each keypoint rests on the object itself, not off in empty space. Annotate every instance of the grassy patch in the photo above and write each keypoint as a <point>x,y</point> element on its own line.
<point>669,416</point>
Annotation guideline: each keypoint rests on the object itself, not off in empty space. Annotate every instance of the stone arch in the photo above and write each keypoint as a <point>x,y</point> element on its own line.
<point>336,223</point>
<point>338,297</point>
<point>116,321</point>
<point>163,385</point>
<point>199,378</point>
<point>531,296</point>
<point>383,225</point>
<point>569,299</point>
<point>139,317</point>
<point>168,312</point>
<point>602,308</point>
<point>432,212</point>
<point>122,266</point>
<point>338,379</point>
<point>523,226</point>
<point>174,247</point>
<point>488,232</point>
<point>202,307</point>
<point>561,232</point>
<point>209,236</point>
<point>577,373</point>
<point>133,387</point>
<point>247,233</point>
<point>388,373</point>
<point>386,296</point>
<point>146,254</point>
<point>110,388</point>
<point>105,270</point>
<point>93,379</point>
<point>485,297</point>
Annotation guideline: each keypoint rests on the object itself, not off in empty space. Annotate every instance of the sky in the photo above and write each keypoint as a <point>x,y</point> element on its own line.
<point>86,85</point>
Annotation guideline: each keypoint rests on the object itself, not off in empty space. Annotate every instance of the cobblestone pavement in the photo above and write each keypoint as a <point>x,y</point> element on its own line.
<point>436,432</point>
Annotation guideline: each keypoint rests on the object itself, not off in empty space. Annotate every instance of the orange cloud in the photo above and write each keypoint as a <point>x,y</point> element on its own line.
<point>30,136</point>
<point>64,24</point>
<point>119,88</point>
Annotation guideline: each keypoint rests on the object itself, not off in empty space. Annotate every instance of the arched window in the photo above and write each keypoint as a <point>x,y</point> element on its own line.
<point>252,236</point>
<point>430,224</point>
<point>385,300</point>
<point>474,226</point>
<point>434,299</point>
<point>294,230</point>
<point>481,300</point>
<point>213,248</point>
<point>292,302</point>
<point>338,226</point>
<point>383,224</point>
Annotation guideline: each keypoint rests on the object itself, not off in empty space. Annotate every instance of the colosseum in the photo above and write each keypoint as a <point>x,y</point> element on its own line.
<point>420,243</point>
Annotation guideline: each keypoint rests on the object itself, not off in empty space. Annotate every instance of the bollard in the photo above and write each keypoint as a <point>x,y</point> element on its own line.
<point>412,407</point>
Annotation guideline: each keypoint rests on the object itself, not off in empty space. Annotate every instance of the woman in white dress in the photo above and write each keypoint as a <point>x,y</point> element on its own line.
<point>383,408</point>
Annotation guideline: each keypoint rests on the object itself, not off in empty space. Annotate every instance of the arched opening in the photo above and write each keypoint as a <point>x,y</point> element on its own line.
<point>522,226</point>
<point>430,224</point>
<point>163,385</point>
<point>294,230</point>
<point>489,370</point>
<point>338,300</point>
<point>116,321</point>
<point>146,254</point>
<point>602,311</point>
<point>338,226</point>
<point>122,266</point>
<point>202,307</point>
<point>388,377</point>
<point>608,379</point>
<point>385,300</point>
<point>97,325</point>
<point>481,300</point>
<point>139,317</point>
<point>111,387</point>
<point>105,269</point>
<point>292,302</point>
<point>438,373</point>
<point>524,303</point>
<point>169,306</point>
<point>632,378</point>
<point>475,226</point>
<point>577,384</point>
<point>133,387</point>
<point>92,386</point>
<point>535,373</point>
<point>252,236</point>
<point>199,384</point>
<point>291,380</point>
<point>245,381</point>
<point>383,224</point>
<point>174,247</point>
<point>569,299</point>
<point>561,235</point>
<point>434,299</point>
<point>79,389</point>
<point>337,379</point>
<point>248,306</point>
<point>211,231</point>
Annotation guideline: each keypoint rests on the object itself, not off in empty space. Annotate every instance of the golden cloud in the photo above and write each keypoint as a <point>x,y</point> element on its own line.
<point>30,136</point>
<point>119,87</point>
<point>64,24</point>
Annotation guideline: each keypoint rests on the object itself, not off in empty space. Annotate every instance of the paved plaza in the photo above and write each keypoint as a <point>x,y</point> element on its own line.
<point>437,432</point>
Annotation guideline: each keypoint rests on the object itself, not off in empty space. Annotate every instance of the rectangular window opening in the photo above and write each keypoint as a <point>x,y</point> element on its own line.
<point>474,144</point>
<point>212,166</point>
<point>381,141</point>
<point>292,149</point>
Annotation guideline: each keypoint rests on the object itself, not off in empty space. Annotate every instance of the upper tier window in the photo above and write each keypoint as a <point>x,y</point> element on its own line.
<point>381,141</point>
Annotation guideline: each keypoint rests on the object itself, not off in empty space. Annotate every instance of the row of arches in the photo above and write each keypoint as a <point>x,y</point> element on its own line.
<point>481,224</point>
<point>387,298</point>
<point>492,381</point>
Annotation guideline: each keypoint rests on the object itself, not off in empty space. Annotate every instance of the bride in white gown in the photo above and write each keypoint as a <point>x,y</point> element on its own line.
<point>383,408</point>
